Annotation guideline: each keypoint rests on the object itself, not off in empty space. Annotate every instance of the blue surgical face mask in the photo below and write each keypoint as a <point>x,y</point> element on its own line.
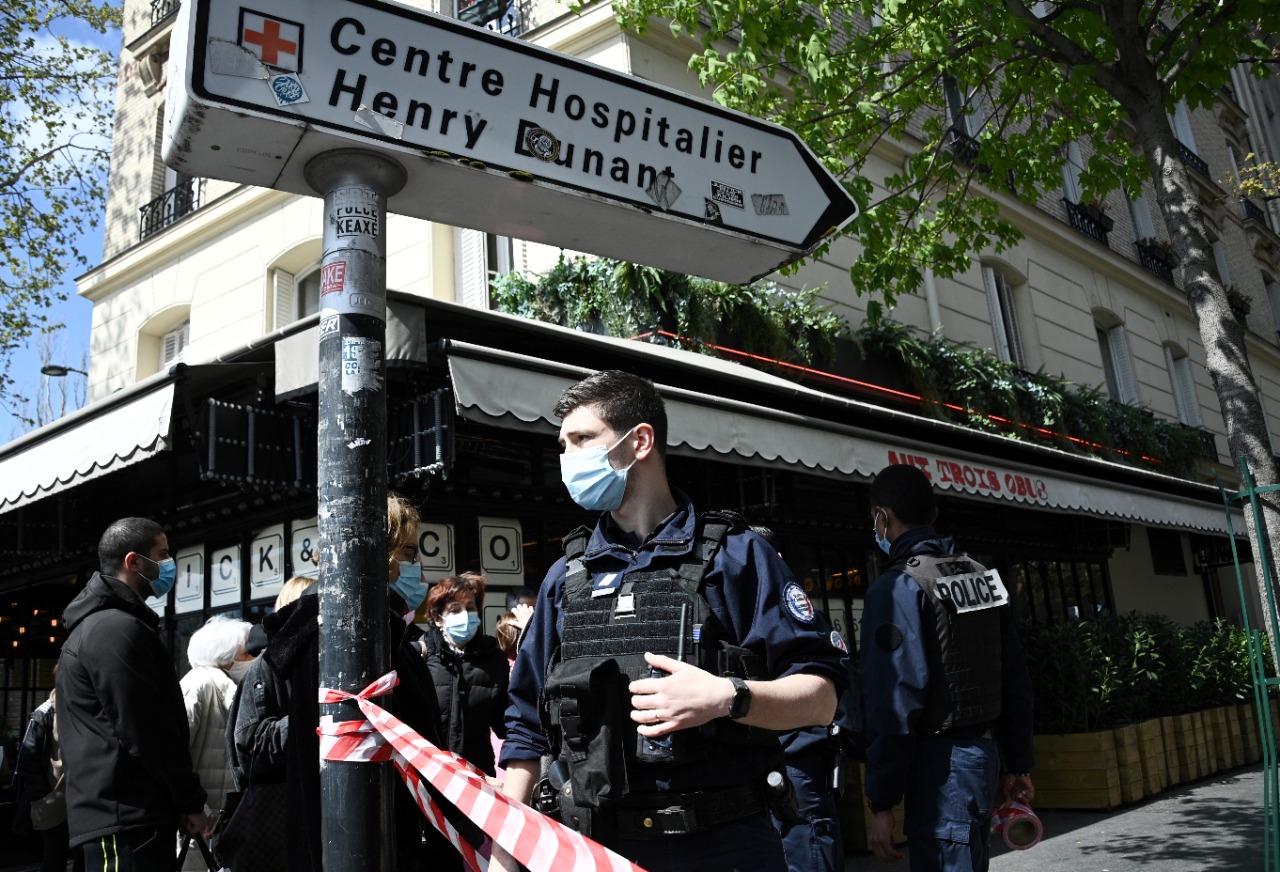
<point>460,627</point>
<point>168,577</point>
<point>883,543</point>
<point>592,481</point>
<point>409,585</point>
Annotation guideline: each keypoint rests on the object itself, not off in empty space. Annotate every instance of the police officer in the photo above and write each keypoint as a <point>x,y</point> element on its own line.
<point>948,699</point>
<point>662,758</point>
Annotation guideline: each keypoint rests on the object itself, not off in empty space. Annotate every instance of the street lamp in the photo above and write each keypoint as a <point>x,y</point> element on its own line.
<point>57,370</point>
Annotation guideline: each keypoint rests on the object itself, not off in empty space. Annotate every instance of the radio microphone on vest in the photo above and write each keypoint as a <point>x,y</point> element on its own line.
<point>658,749</point>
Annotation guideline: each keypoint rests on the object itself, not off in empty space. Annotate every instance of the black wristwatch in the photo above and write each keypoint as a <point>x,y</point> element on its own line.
<point>741,699</point>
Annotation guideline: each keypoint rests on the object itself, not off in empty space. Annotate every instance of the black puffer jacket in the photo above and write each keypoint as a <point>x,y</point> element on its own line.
<point>121,719</point>
<point>471,689</point>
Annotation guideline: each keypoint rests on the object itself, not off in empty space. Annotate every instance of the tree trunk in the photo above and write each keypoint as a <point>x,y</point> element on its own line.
<point>1223,337</point>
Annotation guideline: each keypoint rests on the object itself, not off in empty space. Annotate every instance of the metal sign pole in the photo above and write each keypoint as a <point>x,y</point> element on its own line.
<point>355,798</point>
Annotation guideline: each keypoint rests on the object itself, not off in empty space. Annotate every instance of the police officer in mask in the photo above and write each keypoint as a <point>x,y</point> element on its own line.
<point>948,698</point>
<point>669,647</point>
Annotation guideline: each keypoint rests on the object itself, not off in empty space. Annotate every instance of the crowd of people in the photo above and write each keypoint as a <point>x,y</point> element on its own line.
<point>669,690</point>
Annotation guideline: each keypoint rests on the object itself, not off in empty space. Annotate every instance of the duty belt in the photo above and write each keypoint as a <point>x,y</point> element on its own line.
<point>659,815</point>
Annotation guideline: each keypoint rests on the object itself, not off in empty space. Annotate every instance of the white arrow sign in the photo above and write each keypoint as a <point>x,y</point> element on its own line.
<point>496,134</point>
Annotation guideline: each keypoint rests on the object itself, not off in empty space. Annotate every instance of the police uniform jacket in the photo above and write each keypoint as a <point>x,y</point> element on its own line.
<point>750,592</point>
<point>896,674</point>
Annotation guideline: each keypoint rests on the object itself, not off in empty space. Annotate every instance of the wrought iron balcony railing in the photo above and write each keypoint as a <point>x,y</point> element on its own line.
<point>1253,212</point>
<point>162,9</point>
<point>1089,220</point>
<point>180,200</point>
<point>1156,260</point>
<point>1193,160</point>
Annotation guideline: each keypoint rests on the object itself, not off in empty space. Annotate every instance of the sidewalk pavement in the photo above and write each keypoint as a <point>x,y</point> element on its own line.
<point>1211,824</point>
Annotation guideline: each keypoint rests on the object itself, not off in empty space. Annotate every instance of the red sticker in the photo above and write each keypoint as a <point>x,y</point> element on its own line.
<point>333,277</point>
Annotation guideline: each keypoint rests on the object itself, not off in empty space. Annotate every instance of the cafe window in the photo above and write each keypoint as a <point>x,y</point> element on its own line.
<point>1054,590</point>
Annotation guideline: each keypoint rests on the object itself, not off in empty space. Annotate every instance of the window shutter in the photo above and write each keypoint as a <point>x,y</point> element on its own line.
<point>995,306</point>
<point>1123,363</point>
<point>174,344</point>
<point>1071,168</point>
<point>472,287</point>
<point>1143,226</point>
<point>1184,388</point>
<point>1181,121</point>
<point>1220,260</point>
<point>286,293</point>
<point>976,116</point>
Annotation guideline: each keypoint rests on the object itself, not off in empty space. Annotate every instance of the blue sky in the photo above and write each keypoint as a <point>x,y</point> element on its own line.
<point>75,313</point>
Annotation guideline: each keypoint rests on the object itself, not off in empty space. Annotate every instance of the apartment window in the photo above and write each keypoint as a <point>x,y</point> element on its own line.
<point>1004,320</point>
<point>1140,211</point>
<point>481,257</point>
<point>296,296</point>
<point>1117,364</point>
<point>1182,380</point>
<point>1167,557</point>
<point>173,345</point>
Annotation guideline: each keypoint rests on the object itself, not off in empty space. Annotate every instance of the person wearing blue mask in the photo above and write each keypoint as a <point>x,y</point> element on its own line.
<point>948,701</point>
<point>664,649</point>
<point>121,720</point>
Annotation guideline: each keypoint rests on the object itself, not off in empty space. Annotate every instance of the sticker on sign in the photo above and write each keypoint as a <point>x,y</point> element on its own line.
<point>495,133</point>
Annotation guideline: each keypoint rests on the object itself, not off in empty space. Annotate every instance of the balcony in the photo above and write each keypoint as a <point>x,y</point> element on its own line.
<point>1193,161</point>
<point>500,16</point>
<point>1253,212</point>
<point>963,146</point>
<point>177,202</point>
<point>1089,220</point>
<point>162,9</point>
<point>1156,259</point>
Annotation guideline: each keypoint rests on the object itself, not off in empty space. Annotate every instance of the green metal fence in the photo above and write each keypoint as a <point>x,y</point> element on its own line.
<point>1247,500</point>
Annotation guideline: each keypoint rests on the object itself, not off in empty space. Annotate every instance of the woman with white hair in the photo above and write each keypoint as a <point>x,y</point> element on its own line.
<point>218,662</point>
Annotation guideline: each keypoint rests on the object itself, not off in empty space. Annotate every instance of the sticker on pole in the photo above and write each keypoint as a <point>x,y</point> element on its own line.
<point>361,364</point>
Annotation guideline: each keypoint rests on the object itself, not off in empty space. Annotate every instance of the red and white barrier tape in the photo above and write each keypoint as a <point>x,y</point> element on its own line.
<point>541,844</point>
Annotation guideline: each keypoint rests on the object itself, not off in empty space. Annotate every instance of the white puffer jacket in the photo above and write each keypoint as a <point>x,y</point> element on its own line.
<point>208,693</point>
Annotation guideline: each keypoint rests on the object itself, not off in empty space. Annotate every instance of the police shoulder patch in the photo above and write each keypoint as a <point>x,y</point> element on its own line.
<point>838,641</point>
<point>797,602</point>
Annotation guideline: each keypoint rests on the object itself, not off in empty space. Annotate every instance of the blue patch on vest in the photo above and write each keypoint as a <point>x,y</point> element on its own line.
<point>797,602</point>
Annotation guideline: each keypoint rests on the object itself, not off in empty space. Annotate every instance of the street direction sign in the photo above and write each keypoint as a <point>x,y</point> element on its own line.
<point>496,134</point>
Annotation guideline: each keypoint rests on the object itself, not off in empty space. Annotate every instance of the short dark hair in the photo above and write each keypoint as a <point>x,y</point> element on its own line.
<point>907,491</point>
<point>125,535</point>
<point>622,400</point>
<point>514,596</point>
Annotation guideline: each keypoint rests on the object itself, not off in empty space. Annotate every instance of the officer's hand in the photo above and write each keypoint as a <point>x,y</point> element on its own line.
<point>882,837</point>
<point>1018,788</point>
<point>199,823</point>
<point>688,697</point>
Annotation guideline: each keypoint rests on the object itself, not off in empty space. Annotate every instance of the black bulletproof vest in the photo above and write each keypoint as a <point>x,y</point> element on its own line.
<point>603,639</point>
<point>964,652</point>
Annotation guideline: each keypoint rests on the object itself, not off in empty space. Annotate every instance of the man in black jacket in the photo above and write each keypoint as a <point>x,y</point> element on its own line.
<point>121,719</point>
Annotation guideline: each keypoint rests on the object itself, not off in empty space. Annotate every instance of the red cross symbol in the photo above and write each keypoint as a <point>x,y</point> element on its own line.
<point>270,42</point>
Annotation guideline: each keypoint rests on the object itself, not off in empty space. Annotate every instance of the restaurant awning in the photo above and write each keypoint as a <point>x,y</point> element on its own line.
<point>516,391</point>
<point>93,441</point>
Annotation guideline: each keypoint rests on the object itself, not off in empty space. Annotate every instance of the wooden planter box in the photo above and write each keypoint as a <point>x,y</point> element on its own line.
<point>1251,734</point>
<point>1235,730</point>
<point>1220,738</point>
<point>1155,769</point>
<point>1177,772</point>
<point>1079,770</point>
<point>1129,763</point>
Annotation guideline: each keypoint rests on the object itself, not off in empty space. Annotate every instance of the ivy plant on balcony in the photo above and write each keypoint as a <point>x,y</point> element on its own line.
<point>625,299</point>
<point>971,386</point>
